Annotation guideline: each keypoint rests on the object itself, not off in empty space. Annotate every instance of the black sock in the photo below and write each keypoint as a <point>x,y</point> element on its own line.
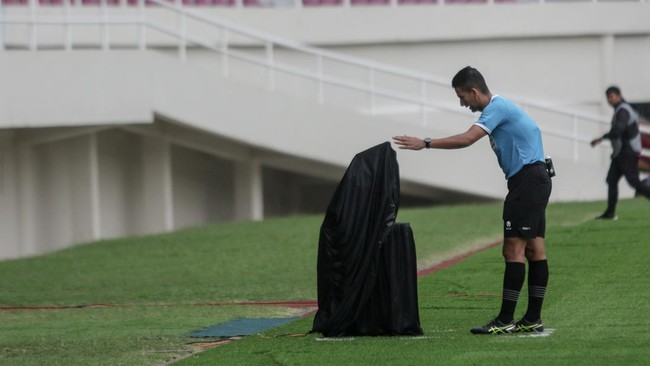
<point>537,282</point>
<point>513,280</point>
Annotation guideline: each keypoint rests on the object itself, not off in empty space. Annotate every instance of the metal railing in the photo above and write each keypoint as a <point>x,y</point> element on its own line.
<point>307,3</point>
<point>572,124</point>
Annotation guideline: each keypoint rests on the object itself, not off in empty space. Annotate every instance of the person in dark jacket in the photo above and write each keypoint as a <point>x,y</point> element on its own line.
<point>626,144</point>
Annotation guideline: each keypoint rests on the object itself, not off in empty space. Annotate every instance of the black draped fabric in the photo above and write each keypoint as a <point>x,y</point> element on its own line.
<point>367,282</point>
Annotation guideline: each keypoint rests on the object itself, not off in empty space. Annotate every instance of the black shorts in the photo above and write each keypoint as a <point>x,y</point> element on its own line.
<point>524,210</point>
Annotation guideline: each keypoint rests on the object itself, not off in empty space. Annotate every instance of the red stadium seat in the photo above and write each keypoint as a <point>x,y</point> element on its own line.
<point>94,2</point>
<point>465,1</point>
<point>418,1</point>
<point>321,2</point>
<point>644,163</point>
<point>645,140</point>
<point>369,2</point>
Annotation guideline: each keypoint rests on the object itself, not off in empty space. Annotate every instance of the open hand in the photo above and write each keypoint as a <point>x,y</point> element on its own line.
<point>408,142</point>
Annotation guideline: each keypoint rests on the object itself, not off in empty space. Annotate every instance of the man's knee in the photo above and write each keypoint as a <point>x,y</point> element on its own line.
<point>612,180</point>
<point>514,249</point>
<point>535,249</point>
<point>643,189</point>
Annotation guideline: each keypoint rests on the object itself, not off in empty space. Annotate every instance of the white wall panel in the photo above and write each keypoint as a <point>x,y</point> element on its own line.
<point>203,188</point>
<point>62,193</point>
<point>120,183</point>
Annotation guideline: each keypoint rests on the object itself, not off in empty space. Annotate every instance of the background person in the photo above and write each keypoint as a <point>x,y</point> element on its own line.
<point>626,144</point>
<point>517,142</point>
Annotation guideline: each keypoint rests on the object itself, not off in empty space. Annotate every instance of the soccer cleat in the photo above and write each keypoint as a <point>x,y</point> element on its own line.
<point>524,326</point>
<point>494,327</point>
<point>607,216</point>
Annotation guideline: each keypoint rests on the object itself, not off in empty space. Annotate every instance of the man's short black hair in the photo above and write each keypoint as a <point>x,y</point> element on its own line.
<point>469,78</point>
<point>613,89</point>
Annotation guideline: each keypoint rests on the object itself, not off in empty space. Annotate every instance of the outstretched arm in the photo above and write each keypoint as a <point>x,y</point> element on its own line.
<point>596,141</point>
<point>618,127</point>
<point>452,142</point>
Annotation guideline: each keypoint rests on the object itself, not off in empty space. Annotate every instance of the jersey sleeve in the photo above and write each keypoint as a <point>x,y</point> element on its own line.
<point>493,114</point>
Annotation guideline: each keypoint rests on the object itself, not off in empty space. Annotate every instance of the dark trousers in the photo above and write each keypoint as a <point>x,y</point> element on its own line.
<point>626,163</point>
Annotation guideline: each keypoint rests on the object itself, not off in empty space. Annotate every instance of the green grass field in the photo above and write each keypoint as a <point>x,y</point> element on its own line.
<point>155,291</point>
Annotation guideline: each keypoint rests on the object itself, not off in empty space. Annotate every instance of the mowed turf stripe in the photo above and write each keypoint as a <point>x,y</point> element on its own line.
<point>291,304</point>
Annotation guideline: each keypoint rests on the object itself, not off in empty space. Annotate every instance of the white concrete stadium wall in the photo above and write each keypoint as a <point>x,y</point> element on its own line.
<point>203,188</point>
<point>565,71</point>
<point>570,72</point>
<point>283,130</point>
<point>332,25</point>
<point>120,183</point>
<point>105,184</point>
<point>73,184</point>
<point>239,112</point>
<point>62,192</point>
<point>588,45</point>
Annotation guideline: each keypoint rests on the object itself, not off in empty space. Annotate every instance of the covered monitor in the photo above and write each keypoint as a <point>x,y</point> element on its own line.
<point>367,275</point>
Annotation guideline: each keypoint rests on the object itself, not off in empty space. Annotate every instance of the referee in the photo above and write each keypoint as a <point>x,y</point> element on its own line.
<point>517,142</point>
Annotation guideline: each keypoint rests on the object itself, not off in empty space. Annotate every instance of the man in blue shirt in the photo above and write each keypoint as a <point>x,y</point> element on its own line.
<point>517,142</point>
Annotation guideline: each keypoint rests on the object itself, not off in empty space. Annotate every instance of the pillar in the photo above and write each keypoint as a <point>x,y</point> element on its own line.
<point>249,193</point>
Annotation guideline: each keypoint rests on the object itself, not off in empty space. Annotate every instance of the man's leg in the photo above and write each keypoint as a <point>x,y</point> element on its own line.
<point>523,218</point>
<point>613,176</point>
<point>513,276</point>
<point>513,280</point>
<point>537,278</point>
<point>630,168</point>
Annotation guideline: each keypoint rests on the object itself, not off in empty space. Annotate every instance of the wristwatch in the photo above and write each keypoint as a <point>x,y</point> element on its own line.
<point>427,142</point>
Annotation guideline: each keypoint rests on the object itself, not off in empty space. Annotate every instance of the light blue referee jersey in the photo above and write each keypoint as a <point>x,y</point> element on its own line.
<point>515,137</point>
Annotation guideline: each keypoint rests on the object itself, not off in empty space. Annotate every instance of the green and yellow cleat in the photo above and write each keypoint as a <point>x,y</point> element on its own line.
<point>494,327</point>
<point>524,326</point>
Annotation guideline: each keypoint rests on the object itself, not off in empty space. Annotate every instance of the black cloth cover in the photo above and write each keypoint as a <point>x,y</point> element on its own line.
<point>367,276</point>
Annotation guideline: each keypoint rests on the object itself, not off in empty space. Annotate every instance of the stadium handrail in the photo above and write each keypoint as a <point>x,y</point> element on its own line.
<point>309,3</point>
<point>183,13</point>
